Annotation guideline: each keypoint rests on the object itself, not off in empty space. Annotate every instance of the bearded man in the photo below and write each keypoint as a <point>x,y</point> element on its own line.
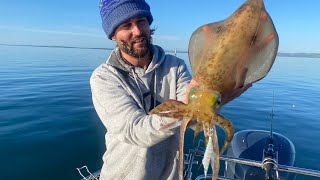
<point>136,77</point>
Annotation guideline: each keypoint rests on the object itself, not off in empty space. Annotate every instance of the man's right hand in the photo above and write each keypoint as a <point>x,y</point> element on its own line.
<point>192,84</point>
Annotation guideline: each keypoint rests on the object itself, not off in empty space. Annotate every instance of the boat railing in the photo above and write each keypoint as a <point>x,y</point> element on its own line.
<point>264,164</point>
<point>190,160</point>
<point>88,175</point>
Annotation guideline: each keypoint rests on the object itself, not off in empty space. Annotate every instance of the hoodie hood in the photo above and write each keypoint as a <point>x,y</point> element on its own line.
<point>145,80</point>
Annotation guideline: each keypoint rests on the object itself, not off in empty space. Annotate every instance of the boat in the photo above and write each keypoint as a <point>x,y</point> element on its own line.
<point>252,155</point>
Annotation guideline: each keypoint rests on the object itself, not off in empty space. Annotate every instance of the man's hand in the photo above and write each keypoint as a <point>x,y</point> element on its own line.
<point>192,84</point>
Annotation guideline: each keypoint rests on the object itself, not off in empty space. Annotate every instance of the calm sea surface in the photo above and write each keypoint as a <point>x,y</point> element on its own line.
<point>48,126</point>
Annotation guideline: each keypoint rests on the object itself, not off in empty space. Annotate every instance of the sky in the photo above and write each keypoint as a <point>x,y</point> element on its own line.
<point>78,22</point>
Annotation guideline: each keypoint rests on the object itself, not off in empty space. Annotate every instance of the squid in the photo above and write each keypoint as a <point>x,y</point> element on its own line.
<point>223,55</point>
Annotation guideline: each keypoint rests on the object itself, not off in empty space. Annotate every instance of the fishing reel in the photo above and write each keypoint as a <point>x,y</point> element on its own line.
<point>270,161</point>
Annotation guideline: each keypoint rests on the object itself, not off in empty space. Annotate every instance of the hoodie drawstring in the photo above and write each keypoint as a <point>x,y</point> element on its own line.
<point>155,89</point>
<point>136,79</point>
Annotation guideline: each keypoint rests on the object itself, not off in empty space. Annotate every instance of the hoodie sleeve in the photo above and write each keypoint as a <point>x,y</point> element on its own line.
<point>121,114</point>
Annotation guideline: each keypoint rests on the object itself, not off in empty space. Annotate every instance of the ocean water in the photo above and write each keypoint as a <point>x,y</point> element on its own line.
<point>48,126</point>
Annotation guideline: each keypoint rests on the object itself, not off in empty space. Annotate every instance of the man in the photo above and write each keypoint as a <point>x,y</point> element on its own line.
<point>136,77</point>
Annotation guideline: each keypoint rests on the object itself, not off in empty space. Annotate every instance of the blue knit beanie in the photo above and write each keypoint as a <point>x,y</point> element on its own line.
<point>115,12</point>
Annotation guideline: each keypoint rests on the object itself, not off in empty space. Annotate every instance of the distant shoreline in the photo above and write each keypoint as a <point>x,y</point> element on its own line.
<point>280,54</point>
<point>306,55</point>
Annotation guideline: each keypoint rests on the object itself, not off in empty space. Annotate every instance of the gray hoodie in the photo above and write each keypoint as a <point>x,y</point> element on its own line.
<point>122,96</point>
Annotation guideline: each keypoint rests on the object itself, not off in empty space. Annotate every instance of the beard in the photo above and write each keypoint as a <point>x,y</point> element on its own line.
<point>128,47</point>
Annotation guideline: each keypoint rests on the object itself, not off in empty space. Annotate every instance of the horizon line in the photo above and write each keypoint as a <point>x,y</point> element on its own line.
<point>281,54</point>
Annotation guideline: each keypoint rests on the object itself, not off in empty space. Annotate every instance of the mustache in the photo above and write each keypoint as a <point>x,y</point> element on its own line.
<point>129,44</point>
<point>140,38</point>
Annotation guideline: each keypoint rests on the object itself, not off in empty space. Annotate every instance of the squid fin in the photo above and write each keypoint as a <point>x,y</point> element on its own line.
<point>260,56</point>
<point>201,43</point>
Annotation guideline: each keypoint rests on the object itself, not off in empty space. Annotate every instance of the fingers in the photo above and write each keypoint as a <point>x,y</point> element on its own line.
<point>192,84</point>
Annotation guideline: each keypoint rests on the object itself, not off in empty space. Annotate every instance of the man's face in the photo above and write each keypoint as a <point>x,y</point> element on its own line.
<point>133,37</point>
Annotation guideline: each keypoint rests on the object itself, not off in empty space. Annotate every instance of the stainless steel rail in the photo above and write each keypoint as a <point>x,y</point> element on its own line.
<point>291,169</point>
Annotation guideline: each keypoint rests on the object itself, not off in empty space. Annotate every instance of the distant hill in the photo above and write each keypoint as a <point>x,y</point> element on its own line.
<point>280,54</point>
<point>307,55</point>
